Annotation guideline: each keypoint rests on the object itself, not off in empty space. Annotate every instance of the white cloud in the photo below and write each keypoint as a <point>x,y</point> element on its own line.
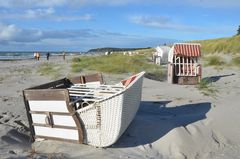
<point>85,17</point>
<point>11,33</point>
<point>43,14</point>
<point>31,3</point>
<point>37,13</point>
<point>7,32</point>
<point>15,38</point>
<point>162,22</point>
<point>214,3</point>
<point>80,3</point>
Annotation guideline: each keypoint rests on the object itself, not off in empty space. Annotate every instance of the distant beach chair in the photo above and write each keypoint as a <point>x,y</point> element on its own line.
<point>92,114</point>
<point>161,55</point>
<point>183,66</point>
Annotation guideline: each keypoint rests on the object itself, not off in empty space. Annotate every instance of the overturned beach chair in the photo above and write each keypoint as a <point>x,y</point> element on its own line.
<point>96,115</point>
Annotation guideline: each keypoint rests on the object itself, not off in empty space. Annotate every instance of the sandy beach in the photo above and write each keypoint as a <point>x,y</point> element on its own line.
<point>173,121</point>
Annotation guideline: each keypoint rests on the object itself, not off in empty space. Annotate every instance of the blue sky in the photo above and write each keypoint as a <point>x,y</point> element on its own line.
<point>79,25</point>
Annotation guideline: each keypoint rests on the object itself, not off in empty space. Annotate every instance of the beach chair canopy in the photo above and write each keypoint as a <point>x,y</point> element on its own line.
<point>187,49</point>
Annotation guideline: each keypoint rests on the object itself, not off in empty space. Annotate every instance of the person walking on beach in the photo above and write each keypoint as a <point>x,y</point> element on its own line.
<point>64,54</point>
<point>38,55</point>
<point>35,55</point>
<point>47,55</point>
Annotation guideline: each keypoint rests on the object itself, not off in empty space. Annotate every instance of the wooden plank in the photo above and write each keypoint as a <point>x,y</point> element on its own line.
<point>47,94</point>
<point>55,126</point>
<point>54,138</point>
<point>57,120</point>
<point>56,132</point>
<point>62,83</point>
<point>54,113</point>
<point>48,106</point>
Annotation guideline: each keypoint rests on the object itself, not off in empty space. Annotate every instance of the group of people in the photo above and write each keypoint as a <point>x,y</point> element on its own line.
<point>37,55</point>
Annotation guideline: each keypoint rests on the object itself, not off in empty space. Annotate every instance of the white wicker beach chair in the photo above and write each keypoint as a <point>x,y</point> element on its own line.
<point>104,113</point>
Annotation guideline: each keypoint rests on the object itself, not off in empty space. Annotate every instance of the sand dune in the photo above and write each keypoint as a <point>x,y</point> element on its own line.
<point>173,121</point>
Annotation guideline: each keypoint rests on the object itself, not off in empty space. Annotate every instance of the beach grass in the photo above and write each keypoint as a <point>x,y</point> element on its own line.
<point>117,64</point>
<point>1,79</point>
<point>206,88</point>
<point>236,61</point>
<point>214,60</point>
<point>50,69</point>
<point>228,45</point>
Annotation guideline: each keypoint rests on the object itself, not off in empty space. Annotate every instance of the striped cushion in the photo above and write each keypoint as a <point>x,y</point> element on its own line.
<point>128,81</point>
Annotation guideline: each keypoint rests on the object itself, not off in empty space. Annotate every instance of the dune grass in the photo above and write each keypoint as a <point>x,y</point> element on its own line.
<point>117,64</point>
<point>236,61</point>
<point>214,60</point>
<point>206,88</point>
<point>221,45</point>
<point>50,69</point>
<point>1,79</point>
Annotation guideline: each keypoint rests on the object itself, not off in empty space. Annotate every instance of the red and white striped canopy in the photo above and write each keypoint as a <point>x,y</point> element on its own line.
<point>187,49</point>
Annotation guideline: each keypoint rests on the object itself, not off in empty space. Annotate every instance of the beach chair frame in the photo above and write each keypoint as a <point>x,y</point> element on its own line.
<point>108,112</point>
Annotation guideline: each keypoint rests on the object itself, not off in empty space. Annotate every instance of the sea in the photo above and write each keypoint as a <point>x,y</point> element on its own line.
<point>11,56</point>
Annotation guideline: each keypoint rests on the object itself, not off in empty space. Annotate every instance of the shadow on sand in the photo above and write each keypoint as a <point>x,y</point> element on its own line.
<point>215,78</point>
<point>154,120</point>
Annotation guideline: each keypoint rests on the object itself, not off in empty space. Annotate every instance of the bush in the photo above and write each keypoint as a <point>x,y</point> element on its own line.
<point>214,60</point>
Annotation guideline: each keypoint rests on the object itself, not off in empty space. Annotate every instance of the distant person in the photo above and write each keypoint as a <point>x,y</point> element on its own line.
<point>38,56</point>
<point>64,54</point>
<point>35,55</point>
<point>48,55</point>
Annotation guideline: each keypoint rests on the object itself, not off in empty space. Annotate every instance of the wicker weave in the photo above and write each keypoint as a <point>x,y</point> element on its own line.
<point>105,121</point>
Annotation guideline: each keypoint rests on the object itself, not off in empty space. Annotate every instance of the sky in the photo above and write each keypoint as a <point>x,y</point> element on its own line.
<point>79,25</point>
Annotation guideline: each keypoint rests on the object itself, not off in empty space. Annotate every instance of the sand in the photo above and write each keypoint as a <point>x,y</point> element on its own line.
<point>173,121</point>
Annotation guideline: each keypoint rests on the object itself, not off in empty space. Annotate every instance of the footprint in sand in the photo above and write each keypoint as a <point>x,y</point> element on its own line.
<point>13,120</point>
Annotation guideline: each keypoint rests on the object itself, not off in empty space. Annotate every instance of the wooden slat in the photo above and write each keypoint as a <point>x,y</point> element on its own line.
<point>55,126</point>
<point>47,94</point>
<point>53,113</point>
<point>71,134</point>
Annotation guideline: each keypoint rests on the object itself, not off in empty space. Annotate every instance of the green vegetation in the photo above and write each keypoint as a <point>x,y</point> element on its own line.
<point>236,61</point>
<point>214,60</point>
<point>238,31</point>
<point>117,64</point>
<point>111,49</point>
<point>50,69</point>
<point>1,79</point>
<point>23,70</point>
<point>221,45</point>
<point>206,87</point>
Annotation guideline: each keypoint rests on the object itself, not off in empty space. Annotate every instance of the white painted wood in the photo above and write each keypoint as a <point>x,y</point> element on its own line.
<point>39,118</point>
<point>63,120</point>
<point>183,65</point>
<point>56,132</point>
<point>57,119</point>
<point>179,66</point>
<point>96,83</point>
<point>49,106</point>
<point>191,67</point>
